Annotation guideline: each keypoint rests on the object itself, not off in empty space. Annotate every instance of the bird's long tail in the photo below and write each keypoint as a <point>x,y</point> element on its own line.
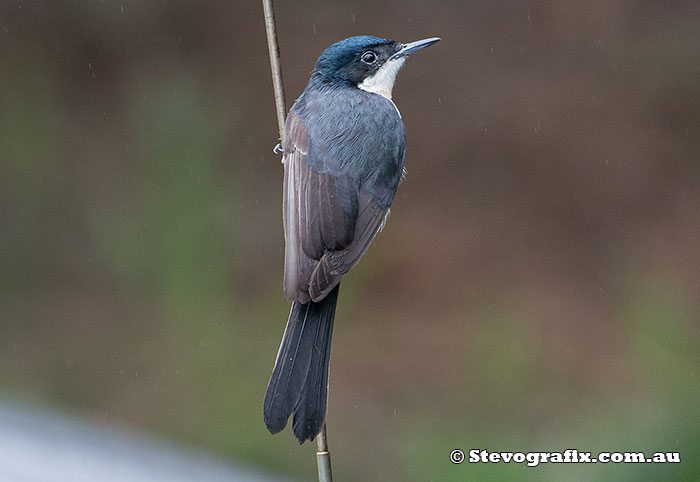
<point>299,381</point>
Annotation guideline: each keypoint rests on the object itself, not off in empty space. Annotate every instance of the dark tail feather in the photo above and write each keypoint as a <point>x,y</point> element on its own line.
<point>310,411</point>
<point>299,381</point>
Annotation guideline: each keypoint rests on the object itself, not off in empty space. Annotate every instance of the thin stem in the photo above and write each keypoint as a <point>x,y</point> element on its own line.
<point>274,50</point>
<point>323,457</point>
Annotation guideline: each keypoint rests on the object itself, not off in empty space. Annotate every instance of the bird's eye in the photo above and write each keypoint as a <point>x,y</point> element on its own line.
<point>369,57</point>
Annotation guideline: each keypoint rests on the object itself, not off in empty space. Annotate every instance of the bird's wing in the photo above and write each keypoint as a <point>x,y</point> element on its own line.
<point>335,263</point>
<point>328,222</point>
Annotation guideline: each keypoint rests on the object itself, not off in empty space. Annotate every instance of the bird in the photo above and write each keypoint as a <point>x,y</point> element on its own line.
<point>343,156</point>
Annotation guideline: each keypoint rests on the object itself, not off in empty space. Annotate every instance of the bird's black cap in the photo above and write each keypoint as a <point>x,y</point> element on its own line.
<point>354,59</point>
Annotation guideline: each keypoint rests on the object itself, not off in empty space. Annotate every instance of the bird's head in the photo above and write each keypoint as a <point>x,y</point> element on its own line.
<point>366,62</point>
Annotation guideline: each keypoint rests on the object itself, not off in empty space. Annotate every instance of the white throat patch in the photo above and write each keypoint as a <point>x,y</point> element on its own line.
<point>382,82</point>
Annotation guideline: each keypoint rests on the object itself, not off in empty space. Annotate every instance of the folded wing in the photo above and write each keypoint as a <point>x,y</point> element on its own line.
<point>328,221</point>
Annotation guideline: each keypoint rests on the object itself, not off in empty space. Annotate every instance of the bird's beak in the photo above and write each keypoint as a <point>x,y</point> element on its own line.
<point>409,48</point>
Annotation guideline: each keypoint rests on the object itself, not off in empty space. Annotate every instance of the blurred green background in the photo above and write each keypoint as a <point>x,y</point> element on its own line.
<point>536,288</point>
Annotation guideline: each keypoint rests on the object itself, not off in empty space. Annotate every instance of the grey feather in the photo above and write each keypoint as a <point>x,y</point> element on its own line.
<point>341,176</point>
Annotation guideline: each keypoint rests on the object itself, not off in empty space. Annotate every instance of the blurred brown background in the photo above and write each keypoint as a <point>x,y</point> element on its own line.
<point>536,287</point>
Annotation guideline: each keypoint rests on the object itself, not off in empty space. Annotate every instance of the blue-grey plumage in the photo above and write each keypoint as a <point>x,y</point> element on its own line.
<point>344,156</point>
<point>357,134</point>
<point>354,155</point>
